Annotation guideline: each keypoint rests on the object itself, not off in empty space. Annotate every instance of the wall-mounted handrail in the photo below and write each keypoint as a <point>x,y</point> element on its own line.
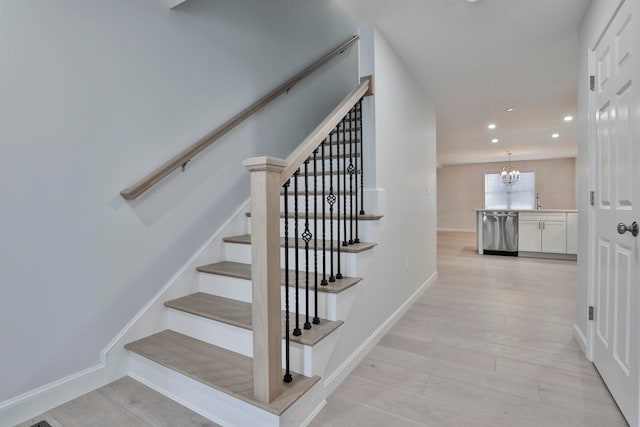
<point>181,159</point>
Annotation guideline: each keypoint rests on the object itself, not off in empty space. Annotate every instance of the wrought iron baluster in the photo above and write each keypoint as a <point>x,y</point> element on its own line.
<point>352,171</point>
<point>344,143</point>
<point>331,199</point>
<point>342,127</point>
<point>306,237</point>
<point>362,165</point>
<point>296,331</point>
<point>358,138</point>
<point>324,281</point>
<point>287,376</point>
<point>316,319</point>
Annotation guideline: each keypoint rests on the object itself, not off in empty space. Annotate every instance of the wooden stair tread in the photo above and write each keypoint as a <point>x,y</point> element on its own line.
<point>224,370</point>
<point>238,313</point>
<point>319,193</point>
<point>335,157</point>
<point>326,173</point>
<point>312,215</point>
<point>245,239</point>
<point>243,271</point>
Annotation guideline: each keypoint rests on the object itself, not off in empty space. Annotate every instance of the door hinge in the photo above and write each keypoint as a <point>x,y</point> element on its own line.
<point>592,82</point>
<point>592,310</point>
<point>592,198</point>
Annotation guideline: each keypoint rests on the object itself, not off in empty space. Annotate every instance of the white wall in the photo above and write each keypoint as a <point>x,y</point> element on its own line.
<point>97,93</point>
<point>405,164</point>
<point>461,188</point>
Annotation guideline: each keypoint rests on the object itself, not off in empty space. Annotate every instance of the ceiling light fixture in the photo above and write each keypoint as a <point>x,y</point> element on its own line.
<point>491,126</point>
<point>555,135</point>
<point>494,140</point>
<point>568,118</point>
<point>510,109</point>
<point>510,174</point>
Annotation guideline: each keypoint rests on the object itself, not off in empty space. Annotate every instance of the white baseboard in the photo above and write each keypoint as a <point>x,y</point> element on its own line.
<point>35,402</point>
<point>113,359</point>
<point>580,338</point>
<point>314,413</point>
<point>458,230</point>
<point>334,380</point>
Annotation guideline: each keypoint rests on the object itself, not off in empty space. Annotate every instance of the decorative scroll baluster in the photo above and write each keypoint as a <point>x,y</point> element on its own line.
<point>296,331</point>
<point>324,281</point>
<point>287,376</point>
<point>341,126</point>
<point>316,319</point>
<point>352,170</point>
<point>306,236</point>
<point>344,144</point>
<point>331,199</point>
<point>361,163</point>
<point>358,138</point>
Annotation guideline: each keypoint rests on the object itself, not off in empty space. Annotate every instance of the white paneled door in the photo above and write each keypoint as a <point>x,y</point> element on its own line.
<point>616,153</point>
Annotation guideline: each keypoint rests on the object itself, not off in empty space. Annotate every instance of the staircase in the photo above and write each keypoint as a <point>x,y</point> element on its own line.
<point>203,354</point>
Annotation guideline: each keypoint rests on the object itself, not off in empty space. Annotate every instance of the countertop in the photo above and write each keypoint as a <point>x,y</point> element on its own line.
<point>527,210</point>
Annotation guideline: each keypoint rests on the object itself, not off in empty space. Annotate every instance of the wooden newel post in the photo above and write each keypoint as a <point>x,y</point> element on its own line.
<point>265,275</point>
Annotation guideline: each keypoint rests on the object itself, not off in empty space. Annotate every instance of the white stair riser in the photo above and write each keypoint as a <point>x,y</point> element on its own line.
<point>368,231</point>
<point>236,252</point>
<point>207,401</point>
<point>240,340</point>
<point>240,290</point>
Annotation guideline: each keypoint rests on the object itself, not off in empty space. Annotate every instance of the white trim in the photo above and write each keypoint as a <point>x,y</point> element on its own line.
<point>111,366</point>
<point>463,230</point>
<point>334,380</point>
<point>313,414</point>
<point>37,401</point>
<point>580,338</point>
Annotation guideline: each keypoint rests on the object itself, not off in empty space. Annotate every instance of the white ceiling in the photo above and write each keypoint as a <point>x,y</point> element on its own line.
<point>477,59</point>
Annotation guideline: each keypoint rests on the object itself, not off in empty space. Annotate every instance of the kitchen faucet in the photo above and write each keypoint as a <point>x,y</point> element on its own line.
<point>538,205</point>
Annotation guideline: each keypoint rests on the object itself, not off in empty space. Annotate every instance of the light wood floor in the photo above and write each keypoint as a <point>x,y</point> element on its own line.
<point>489,344</point>
<point>123,403</point>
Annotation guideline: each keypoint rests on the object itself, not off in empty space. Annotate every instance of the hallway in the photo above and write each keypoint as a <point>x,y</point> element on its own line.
<point>489,344</point>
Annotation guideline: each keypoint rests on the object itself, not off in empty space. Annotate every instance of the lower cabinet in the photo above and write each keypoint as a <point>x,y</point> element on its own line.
<point>572,233</point>
<point>542,232</point>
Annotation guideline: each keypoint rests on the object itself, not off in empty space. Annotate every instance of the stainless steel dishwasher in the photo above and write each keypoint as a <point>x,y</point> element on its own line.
<point>500,233</point>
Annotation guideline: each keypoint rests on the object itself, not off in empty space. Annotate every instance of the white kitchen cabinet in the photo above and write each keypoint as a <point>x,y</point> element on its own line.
<point>554,237</point>
<point>542,232</point>
<point>572,233</point>
<point>529,236</point>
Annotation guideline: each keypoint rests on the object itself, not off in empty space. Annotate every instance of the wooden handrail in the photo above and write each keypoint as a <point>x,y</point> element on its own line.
<point>305,149</point>
<point>181,159</point>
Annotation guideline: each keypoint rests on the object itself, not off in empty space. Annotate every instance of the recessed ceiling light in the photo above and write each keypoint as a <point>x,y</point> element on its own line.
<point>472,1</point>
<point>555,135</point>
<point>494,140</point>
<point>510,109</point>
<point>491,126</point>
<point>568,118</point>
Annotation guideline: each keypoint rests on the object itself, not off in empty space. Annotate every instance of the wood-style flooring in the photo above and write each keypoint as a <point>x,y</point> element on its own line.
<point>122,403</point>
<point>489,344</point>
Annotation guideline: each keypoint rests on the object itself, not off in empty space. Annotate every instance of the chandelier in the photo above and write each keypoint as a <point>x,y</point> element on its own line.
<point>510,174</point>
